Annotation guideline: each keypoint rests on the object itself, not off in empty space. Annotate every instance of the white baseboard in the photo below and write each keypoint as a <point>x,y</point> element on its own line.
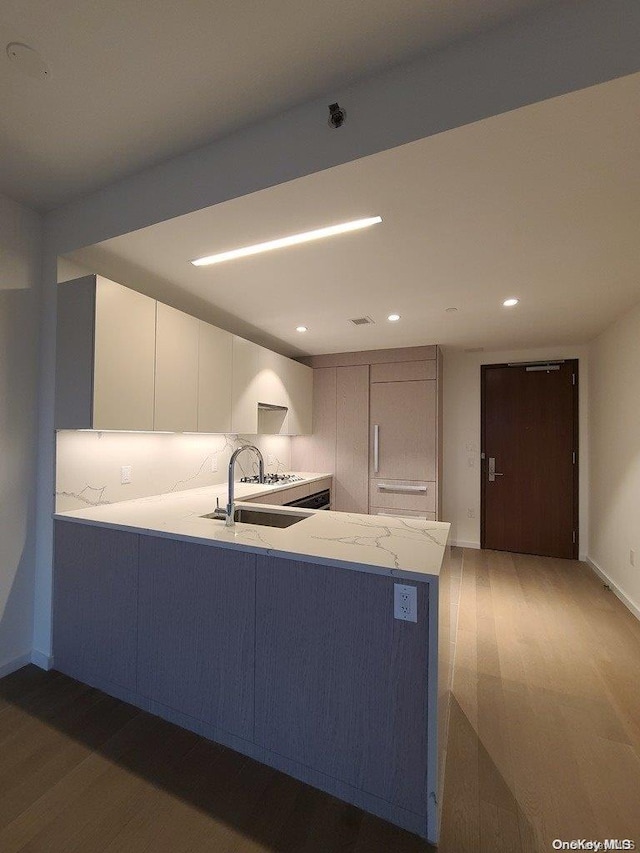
<point>460,544</point>
<point>41,659</point>
<point>632,606</point>
<point>12,665</point>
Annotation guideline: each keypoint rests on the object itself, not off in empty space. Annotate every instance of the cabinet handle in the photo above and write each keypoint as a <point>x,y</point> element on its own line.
<point>376,448</point>
<point>396,488</point>
<point>399,513</point>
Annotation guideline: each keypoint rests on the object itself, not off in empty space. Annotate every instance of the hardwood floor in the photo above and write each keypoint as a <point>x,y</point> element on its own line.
<point>544,739</point>
<point>544,743</point>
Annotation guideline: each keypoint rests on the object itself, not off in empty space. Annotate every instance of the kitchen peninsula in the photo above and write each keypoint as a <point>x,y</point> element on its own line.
<point>280,643</point>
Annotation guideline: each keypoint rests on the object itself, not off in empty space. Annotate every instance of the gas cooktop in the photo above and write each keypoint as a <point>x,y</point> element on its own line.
<point>272,479</point>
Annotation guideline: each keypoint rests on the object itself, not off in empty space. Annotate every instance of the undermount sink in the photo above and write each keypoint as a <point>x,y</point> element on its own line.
<point>266,517</point>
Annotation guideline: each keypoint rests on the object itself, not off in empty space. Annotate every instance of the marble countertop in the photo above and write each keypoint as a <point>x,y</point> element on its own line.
<point>388,545</point>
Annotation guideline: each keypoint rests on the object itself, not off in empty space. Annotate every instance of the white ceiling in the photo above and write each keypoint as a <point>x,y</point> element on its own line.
<point>132,84</point>
<point>540,203</point>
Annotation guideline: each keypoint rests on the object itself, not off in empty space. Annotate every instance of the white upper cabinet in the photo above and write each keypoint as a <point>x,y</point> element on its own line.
<point>298,379</point>
<point>214,378</point>
<point>258,399</point>
<point>105,356</point>
<point>271,393</point>
<point>244,397</point>
<point>176,404</point>
<point>127,362</point>
<point>124,356</point>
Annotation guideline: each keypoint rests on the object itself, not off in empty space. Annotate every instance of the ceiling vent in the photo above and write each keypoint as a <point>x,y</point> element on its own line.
<point>361,321</point>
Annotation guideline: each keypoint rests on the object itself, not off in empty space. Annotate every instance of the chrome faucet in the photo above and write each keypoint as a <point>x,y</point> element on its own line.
<point>228,515</point>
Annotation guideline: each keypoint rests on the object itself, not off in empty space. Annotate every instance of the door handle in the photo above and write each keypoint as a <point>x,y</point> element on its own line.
<point>376,448</point>
<point>492,470</point>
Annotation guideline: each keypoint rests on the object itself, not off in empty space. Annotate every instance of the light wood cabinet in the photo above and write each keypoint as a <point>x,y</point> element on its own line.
<point>214,378</point>
<point>105,363</point>
<point>176,397</point>
<point>403,434</point>
<point>317,452</point>
<point>352,420</point>
<point>386,493</point>
<point>403,430</point>
<point>339,441</point>
<point>376,415</point>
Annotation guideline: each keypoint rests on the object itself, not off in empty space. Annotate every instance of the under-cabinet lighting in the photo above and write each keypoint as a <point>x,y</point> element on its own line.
<point>128,431</point>
<point>291,240</point>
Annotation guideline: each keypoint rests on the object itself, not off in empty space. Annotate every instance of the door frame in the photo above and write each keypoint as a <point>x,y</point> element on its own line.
<point>576,436</point>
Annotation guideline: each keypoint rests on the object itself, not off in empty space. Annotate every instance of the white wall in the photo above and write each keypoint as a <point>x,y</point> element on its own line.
<point>561,48</point>
<point>20,244</point>
<point>615,449</point>
<point>461,431</point>
<point>88,463</point>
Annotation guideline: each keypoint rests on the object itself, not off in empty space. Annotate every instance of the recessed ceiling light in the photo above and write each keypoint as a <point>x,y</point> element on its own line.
<point>291,240</point>
<point>301,329</point>
<point>451,310</point>
<point>393,317</point>
<point>509,303</point>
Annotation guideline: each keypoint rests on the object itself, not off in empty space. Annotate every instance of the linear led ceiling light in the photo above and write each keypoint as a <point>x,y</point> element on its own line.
<point>292,240</point>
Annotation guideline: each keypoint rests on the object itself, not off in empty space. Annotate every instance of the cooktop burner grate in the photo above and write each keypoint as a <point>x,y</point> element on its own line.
<point>272,479</point>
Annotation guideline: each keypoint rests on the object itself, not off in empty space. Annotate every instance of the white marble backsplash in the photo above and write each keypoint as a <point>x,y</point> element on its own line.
<point>89,464</point>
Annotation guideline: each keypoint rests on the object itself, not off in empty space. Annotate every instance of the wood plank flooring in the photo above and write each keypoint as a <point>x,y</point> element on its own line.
<point>544,740</point>
<point>544,743</point>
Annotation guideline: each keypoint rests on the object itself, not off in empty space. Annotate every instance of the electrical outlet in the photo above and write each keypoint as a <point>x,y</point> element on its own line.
<point>271,459</point>
<point>632,557</point>
<point>125,474</point>
<point>405,602</point>
<point>214,463</point>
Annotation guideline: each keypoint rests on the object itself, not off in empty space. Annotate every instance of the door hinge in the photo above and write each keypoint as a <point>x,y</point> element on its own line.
<point>573,379</point>
<point>573,538</point>
<point>573,457</point>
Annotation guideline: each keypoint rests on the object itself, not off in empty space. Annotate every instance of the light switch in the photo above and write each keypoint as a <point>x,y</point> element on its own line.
<point>125,474</point>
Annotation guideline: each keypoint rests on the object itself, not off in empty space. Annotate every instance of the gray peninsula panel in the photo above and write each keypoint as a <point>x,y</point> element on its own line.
<point>95,604</point>
<point>341,686</point>
<point>197,631</point>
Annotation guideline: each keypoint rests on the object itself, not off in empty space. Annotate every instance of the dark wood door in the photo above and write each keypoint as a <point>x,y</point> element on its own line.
<point>530,430</point>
